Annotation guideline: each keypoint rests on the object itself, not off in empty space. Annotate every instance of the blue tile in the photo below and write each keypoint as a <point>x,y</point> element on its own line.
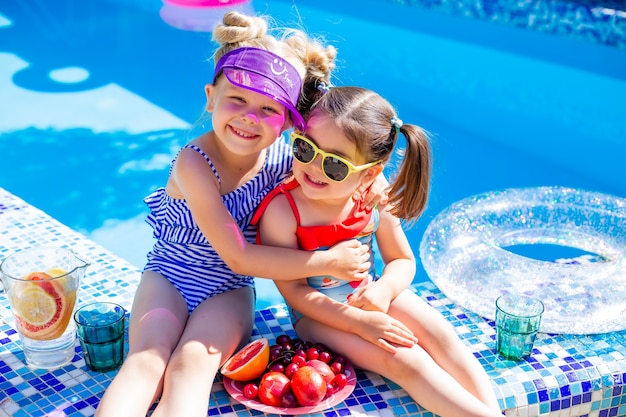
<point>565,391</point>
<point>381,405</point>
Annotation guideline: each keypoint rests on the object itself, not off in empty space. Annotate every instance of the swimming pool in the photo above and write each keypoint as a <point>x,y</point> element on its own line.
<point>96,98</point>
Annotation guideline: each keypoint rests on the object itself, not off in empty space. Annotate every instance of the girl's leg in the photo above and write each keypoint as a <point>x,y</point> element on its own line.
<point>437,337</point>
<point>215,330</point>
<point>411,368</point>
<point>157,320</point>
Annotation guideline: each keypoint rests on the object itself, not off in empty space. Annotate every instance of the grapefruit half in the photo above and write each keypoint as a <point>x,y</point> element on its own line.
<point>249,362</point>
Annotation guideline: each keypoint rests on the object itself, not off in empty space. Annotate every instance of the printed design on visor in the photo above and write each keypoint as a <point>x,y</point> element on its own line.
<point>284,71</point>
<point>266,73</point>
<point>334,167</point>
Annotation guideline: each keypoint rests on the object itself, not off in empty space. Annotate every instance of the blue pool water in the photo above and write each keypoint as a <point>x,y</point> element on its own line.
<point>97,96</point>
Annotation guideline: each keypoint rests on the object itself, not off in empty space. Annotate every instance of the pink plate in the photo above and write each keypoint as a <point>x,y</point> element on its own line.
<point>235,389</point>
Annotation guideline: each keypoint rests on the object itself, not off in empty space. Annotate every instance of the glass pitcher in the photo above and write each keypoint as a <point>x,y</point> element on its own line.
<point>41,285</point>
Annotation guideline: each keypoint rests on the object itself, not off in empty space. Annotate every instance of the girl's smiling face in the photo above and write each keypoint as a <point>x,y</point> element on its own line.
<point>327,136</point>
<point>245,122</point>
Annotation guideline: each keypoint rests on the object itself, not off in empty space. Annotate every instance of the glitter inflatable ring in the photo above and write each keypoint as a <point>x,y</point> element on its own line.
<point>463,250</point>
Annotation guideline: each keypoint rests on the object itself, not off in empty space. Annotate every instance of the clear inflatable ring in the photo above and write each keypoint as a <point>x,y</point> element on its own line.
<point>463,251</point>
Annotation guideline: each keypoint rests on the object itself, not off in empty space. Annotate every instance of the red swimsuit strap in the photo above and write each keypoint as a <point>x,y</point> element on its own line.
<point>315,237</point>
<point>283,188</point>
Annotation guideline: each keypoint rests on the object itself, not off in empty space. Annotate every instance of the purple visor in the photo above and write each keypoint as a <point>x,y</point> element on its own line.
<point>266,73</point>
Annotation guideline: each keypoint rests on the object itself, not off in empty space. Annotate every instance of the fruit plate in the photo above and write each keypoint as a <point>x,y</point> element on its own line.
<point>235,389</point>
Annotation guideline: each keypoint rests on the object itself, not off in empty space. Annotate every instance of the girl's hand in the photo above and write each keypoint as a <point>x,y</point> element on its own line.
<point>350,260</point>
<point>373,297</point>
<point>375,194</point>
<point>384,331</point>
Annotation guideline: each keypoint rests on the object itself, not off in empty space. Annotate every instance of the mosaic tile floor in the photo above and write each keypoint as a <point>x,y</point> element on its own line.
<point>565,376</point>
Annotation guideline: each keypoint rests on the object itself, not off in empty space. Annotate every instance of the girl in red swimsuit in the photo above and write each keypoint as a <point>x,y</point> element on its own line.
<point>382,326</point>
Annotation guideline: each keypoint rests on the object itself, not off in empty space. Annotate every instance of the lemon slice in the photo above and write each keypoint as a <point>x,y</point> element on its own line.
<point>34,305</point>
<point>61,278</point>
<point>56,272</point>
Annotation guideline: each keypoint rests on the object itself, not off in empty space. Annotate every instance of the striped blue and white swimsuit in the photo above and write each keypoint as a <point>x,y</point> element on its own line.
<point>184,256</point>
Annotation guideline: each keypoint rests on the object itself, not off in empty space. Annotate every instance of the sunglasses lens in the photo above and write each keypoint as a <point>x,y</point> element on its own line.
<point>335,169</point>
<point>303,151</point>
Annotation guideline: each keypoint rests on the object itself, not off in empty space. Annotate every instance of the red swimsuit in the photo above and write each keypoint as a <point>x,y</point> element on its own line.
<point>360,224</point>
<point>316,237</point>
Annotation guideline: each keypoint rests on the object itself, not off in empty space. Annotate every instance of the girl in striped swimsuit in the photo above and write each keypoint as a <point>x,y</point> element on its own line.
<point>195,303</point>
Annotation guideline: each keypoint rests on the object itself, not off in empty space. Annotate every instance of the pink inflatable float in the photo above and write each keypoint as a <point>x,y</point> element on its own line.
<point>204,3</point>
<point>200,15</point>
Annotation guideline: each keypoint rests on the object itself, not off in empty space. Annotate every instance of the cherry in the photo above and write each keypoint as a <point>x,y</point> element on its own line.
<point>291,369</point>
<point>283,339</point>
<point>251,391</point>
<point>299,359</point>
<point>325,356</point>
<point>277,367</point>
<point>289,400</point>
<point>320,346</point>
<point>339,382</point>
<point>330,389</point>
<point>287,357</point>
<point>340,359</point>
<point>275,352</point>
<point>337,367</point>
<point>312,353</point>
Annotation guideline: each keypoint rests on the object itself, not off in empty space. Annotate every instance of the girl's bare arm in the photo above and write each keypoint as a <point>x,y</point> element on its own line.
<point>198,185</point>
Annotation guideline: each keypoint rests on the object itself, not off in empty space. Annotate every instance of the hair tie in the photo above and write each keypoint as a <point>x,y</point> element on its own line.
<point>323,87</point>
<point>396,123</point>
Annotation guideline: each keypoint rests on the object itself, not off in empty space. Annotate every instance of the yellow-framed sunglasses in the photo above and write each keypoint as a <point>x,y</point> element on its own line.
<point>334,167</point>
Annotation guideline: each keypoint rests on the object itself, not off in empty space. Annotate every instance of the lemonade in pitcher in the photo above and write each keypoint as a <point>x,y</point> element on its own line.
<point>42,285</point>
